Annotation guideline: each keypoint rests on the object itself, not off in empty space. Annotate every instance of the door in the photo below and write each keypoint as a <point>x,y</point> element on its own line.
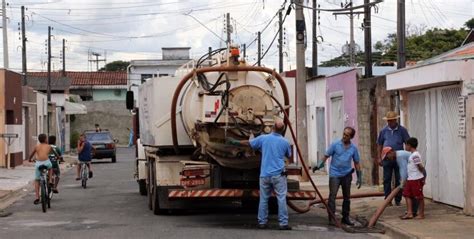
<point>418,110</point>
<point>320,132</point>
<point>450,148</point>
<point>337,118</point>
<point>433,119</point>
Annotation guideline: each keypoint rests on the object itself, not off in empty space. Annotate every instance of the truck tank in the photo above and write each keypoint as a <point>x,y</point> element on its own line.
<point>229,100</point>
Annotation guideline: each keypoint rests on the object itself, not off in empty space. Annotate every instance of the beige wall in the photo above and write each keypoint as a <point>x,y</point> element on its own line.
<point>2,117</point>
<point>469,208</point>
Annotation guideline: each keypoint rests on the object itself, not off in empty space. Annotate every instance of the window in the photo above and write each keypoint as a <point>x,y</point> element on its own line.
<point>145,76</point>
<point>10,119</point>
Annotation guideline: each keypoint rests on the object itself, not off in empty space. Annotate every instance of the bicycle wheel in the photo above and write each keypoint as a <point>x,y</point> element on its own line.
<point>43,196</point>
<point>50,195</point>
<point>84,175</point>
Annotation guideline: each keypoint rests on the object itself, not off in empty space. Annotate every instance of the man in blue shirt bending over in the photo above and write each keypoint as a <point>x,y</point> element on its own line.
<point>274,148</point>
<point>393,135</point>
<point>342,152</point>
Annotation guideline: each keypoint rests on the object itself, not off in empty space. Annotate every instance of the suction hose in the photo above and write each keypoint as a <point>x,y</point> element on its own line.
<point>290,204</point>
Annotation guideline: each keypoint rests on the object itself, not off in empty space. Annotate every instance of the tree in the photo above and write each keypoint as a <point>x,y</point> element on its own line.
<point>116,66</point>
<point>470,24</point>
<point>420,45</point>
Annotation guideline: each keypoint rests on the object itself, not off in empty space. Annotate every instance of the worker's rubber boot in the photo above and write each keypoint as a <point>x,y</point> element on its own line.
<point>347,221</point>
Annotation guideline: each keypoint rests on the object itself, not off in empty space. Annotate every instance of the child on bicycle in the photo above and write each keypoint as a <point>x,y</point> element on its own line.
<point>42,158</point>
<point>55,158</point>
<point>84,149</point>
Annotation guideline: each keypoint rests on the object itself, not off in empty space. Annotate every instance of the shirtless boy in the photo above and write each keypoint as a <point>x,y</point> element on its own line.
<point>42,151</point>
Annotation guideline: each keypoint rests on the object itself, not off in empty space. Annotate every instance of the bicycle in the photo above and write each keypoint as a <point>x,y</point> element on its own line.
<point>45,188</point>
<point>84,174</point>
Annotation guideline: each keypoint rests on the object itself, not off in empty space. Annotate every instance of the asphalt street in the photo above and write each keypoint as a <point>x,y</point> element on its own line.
<point>111,207</point>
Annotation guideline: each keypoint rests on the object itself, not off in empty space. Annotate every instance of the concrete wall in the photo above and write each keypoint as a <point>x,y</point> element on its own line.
<point>469,196</point>
<point>2,118</point>
<point>111,115</point>
<point>13,103</point>
<point>316,97</point>
<point>109,94</point>
<point>30,120</point>
<point>373,103</point>
<point>347,84</point>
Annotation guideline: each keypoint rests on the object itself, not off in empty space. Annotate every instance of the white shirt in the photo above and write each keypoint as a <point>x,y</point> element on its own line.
<point>413,172</point>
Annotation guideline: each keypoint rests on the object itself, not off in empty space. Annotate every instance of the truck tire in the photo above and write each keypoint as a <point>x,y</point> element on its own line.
<point>157,210</point>
<point>114,159</point>
<point>142,187</point>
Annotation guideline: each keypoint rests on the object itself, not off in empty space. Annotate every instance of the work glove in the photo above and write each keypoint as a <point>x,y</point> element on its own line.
<point>359,179</point>
<point>232,141</point>
<point>320,166</point>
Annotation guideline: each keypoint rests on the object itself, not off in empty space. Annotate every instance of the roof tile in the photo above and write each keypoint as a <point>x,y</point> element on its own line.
<point>79,78</point>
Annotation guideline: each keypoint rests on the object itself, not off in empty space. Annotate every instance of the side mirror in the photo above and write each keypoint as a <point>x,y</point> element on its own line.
<point>130,100</point>
<point>116,140</point>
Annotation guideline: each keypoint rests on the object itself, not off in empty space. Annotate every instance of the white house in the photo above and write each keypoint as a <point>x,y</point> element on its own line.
<point>437,108</point>
<point>140,70</point>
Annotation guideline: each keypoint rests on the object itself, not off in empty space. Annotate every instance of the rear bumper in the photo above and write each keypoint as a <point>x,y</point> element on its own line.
<point>177,194</point>
<point>103,153</point>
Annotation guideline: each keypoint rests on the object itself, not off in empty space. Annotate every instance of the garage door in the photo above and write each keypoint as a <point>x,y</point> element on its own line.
<point>433,118</point>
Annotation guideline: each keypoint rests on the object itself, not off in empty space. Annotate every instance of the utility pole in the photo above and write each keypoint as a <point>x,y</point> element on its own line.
<point>48,87</point>
<point>314,72</point>
<point>96,59</point>
<point>64,57</point>
<point>229,30</point>
<point>5,35</point>
<point>351,44</point>
<point>23,47</point>
<point>301,129</point>
<point>280,40</point>
<point>401,56</point>
<point>259,53</point>
<point>368,42</point>
<point>367,25</point>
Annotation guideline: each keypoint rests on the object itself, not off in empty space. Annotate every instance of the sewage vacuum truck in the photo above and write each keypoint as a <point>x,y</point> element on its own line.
<point>183,160</point>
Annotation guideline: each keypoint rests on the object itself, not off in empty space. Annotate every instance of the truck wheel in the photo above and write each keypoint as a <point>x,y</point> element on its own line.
<point>142,186</point>
<point>156,204</point>
<point>272,206</point>
<point>114,159</point>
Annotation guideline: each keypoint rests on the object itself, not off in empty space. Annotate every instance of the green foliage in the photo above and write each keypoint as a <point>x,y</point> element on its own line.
<point>74,138</point>
<point>470,23</point>
<point>115,66</point>
<point>420,45</point>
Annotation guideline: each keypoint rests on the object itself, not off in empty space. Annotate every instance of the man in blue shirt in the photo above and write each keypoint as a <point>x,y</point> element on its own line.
<point>392,135</point>
<point>342,152</point>
<point>274,148</point>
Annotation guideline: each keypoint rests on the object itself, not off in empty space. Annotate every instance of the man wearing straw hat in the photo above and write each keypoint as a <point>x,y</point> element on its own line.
<point>392,135</point>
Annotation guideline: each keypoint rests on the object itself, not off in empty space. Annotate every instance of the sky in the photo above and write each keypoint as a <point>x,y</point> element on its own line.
<point>130,30</point>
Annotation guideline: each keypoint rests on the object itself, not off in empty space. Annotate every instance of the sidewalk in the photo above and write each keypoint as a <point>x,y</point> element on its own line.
<point>16,183</point>
<point>441,221</point>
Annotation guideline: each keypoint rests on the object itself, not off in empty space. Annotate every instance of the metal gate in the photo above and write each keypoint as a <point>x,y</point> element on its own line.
<point>433,119</point>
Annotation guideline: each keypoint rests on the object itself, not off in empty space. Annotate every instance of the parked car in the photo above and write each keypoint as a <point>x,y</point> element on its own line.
<point>104,144</point>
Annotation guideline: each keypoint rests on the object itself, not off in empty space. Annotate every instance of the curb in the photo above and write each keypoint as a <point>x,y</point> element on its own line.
<point>395,232</point>
<point>15,195</point>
